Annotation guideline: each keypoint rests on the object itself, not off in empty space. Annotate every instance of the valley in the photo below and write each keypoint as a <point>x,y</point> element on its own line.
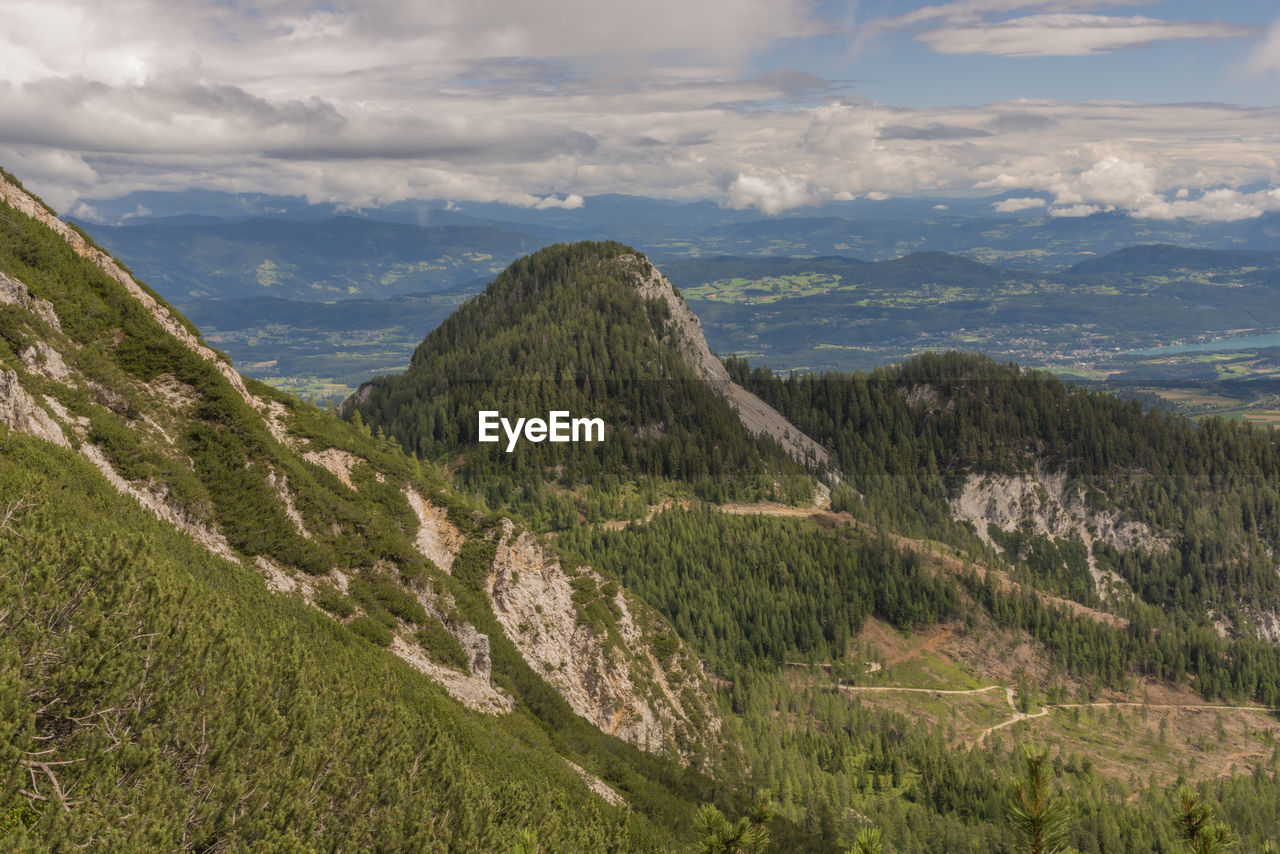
<point>1143,321</point>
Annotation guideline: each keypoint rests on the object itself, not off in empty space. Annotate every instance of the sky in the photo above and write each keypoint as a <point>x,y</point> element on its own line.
<point>1063,107</point>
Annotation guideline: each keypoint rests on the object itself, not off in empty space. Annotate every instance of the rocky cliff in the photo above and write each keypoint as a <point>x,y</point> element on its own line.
<point>757,416</point>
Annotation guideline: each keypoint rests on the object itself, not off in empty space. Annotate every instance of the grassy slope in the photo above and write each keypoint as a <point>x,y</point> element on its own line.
<point>189,704</point>
<point>192,707</point>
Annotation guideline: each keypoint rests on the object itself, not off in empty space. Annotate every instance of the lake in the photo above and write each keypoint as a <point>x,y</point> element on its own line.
<point>1247,342</point>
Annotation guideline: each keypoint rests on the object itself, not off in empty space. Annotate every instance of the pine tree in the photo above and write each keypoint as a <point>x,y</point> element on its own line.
<point>1041,818</point>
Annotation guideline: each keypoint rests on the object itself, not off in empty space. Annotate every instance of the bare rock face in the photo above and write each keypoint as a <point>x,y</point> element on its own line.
<point>757,416</point>
<point>1054,508</point>
<point>46,361</point>
<point>336,461</point>
<point>13,292</point>
<point>20,412</point>
<point>476,646</point>
<point>438,539</point>
<point>470,689</point>
<point>615,682</point>
<point>279,483</point>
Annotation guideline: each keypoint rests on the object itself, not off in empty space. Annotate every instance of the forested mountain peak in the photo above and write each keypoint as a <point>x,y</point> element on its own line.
<point>596,330</point>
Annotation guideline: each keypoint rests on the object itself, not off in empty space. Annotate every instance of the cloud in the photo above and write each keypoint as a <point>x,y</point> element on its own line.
<point>542,105</point>
<point>975,10</point>
<point>1075,211</point>
<point>1223,205</point>
<point>1019,204</point>
<point>1265,58</point>
<point>568,203</point>
<point>770,195</point>
<point>1071,34</point>
<point>933,130</point>
<point>1019,122</point>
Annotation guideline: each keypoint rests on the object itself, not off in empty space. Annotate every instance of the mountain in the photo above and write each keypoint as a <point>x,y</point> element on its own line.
<point>230,620</point>
<point>595,330</point>
<point>337,258</point>
<point>1164,259</point>
<point>1001,531</point>
<point>232,614</point>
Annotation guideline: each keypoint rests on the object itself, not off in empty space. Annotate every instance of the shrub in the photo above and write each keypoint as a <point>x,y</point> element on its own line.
<point>441,645</point>
<point>371,630</point>
<point>335,602</point>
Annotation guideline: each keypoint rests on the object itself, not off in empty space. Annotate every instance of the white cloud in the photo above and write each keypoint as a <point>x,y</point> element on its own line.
<point>1223,205</point>
<point>877,196</point>
<point>570,202</point>
<point>770,195</point>
<point>543,104</point>
<point>1022,203</point>
<point>975,10</point>
<point>1070,34</point>
<point>1075,210</point>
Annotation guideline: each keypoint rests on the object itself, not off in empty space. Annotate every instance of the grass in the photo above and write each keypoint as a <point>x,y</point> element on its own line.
<point>926,670</point>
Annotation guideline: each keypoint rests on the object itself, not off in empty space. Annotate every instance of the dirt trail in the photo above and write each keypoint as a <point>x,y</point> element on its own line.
<point>654,510</point>
<point>865,688</point>
<point>1017,716</point>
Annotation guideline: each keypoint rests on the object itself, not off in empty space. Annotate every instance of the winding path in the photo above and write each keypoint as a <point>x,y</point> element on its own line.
<point>1018,716</point>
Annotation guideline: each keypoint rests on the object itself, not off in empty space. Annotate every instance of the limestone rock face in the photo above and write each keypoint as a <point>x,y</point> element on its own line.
<point>1055,508</point>
<point>438,539</point>
<point>20,412</point>
<point>476,646</point>
<point>614,681</point>
<point>757,416</point>
<point>13,292</point>
<point>45,360</point>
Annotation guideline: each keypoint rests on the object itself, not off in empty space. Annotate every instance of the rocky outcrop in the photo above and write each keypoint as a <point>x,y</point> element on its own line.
<point>1052,507</point>
<point>437,539</point>
<point>757,416</point>
<point>616,683</point>
<point>595,784</point>
<point>279,483</point>
<point>476,646</point>
<point>470,689</point>
<point>13,292</point>
<point>46,361</point>
<point>19,411</point>
<point>336,461</point>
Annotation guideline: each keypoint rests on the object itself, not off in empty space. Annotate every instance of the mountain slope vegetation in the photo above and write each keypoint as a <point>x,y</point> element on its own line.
<point>232,621</point>
<point>368,695</point>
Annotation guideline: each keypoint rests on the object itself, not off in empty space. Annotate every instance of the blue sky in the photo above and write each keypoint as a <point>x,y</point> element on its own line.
<point>1069,107</point>
<point>895,66</point>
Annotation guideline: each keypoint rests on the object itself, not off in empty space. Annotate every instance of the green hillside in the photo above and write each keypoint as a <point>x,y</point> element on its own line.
<point>158,695</point>
<point>232,621</point>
